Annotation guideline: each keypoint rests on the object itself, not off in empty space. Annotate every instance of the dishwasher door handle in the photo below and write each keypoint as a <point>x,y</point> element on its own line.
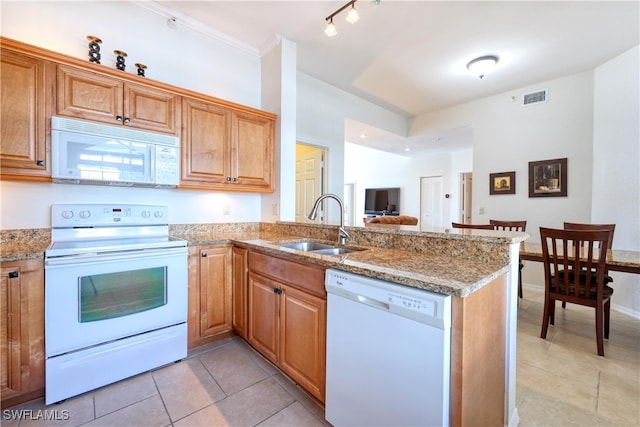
<point>373,302</point>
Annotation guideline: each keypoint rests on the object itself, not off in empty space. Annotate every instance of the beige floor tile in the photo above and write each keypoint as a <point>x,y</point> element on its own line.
<point>310,403</point>
<point>149,412</point>
<point>619,399</point>
<point>539,409</point>
<point>71,412</point>
<point>124,393</point>
<point>232,367</point>
<point>245,408</point>
<point>571,391</point>
<point>186,387</point>
<point>294,415</point>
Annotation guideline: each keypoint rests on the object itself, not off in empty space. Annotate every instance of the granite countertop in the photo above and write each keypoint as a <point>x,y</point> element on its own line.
<point>435,273</point>
<point>446,274</point>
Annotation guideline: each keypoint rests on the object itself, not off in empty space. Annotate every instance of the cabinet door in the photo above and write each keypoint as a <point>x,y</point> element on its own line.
<point>252,151</point>
<point>22,331</point>
<point>205,144</point>
<point>88,95</point>
<point>264,322</point>
<point>210,294</point>
<point>151,109</point>
<point>23,116</point>
<point>215,291</point>
<point>240,297</point>
<point>93,96</point>
<point>303,339</point>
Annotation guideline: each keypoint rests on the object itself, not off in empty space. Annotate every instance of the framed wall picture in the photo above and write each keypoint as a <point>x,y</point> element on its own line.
<point>502,183</point>
<point>548,178</point>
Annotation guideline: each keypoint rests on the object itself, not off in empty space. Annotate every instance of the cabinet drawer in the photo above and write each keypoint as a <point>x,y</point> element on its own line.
<point>303,276</point>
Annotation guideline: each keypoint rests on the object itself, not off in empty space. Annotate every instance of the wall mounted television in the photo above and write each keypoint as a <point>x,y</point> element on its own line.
<point>379,201</point>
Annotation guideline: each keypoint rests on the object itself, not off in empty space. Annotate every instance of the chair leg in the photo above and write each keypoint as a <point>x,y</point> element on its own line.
<point>552,312</point>
<point>599,329</point>
<point>546,315</point>
<point>520,282</point>
<point>607,313</point>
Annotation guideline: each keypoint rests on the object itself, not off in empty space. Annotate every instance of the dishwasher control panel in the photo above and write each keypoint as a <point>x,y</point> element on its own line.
<point>417,304</point>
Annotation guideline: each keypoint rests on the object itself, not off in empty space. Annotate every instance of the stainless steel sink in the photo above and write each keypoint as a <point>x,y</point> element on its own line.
<point>306,246</point>
<point>319,248</point>
<point>335,251</point>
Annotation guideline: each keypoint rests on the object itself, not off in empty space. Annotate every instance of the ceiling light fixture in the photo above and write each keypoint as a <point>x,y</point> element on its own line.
<point>331,28</point>
<point>482,65</point>
<point>352,17</point>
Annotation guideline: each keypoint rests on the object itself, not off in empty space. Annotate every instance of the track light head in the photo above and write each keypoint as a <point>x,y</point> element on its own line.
<point>352,16</point>
<point>331,28</point>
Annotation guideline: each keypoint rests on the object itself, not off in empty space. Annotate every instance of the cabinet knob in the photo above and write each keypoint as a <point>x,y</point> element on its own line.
<point>277,291</point>
<point>127,120</point>
<point>234,179</point>
<point>229,178</point>
<point>118,118</point>
<point>40,162</point>
<point>203,255</point>
<point>13,274</point>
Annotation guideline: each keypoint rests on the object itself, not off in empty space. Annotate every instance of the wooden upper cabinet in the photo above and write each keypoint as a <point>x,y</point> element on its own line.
<point>25,85</point>
<point>252,150</point>
<point>226,149</point>
<point>92,96</point>
<point>205,143</point>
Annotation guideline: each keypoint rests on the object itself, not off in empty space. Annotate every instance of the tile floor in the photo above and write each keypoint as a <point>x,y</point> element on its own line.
<point>561,381</point>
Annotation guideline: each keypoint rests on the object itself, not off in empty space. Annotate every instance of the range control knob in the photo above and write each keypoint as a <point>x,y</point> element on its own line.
<point>85,214</point>
<point>67,214</point>
<point>158,214</point>
<point>146,214</point>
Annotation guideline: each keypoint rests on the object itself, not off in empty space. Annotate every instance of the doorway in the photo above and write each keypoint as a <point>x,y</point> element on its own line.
<point>430,202</point>
<point>465,215</point>
<point>310,178</point>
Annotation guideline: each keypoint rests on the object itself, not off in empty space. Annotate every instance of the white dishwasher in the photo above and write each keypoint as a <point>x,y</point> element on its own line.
<point>388,353</point>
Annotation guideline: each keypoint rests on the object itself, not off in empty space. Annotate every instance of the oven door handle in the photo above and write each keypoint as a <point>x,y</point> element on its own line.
<point>114,256</point>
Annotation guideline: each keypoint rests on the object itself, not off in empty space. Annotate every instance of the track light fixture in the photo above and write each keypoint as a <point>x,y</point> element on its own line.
<point>352,17</point>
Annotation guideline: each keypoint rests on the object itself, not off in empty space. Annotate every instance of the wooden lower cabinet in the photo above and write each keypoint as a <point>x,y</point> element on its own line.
<point>287,318</point>
<point>22,331</point>
<point>239,258</point>
<point>478,360</point>
<point>210,294</point>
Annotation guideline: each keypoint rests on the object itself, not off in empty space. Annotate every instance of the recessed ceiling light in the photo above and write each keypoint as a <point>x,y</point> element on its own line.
<point>363,135</point>
<point>407,149</point>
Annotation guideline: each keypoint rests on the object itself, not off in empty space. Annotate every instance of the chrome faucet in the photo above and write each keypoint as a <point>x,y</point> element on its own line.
<point>342,233</point>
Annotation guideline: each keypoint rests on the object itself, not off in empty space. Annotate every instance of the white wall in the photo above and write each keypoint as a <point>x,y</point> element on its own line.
<point>507,136</point>
<point>182,57</point>
<point>616,171</point>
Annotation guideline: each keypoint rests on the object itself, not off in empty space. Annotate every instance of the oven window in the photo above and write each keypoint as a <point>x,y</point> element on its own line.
<point>110,295</point>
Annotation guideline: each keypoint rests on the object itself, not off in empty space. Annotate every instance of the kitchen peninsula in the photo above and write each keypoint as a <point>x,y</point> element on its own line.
<point>470,265</point>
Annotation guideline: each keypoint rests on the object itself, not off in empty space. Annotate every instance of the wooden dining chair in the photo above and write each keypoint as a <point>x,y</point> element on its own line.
<point>592,227</point>
<point>475,226</point>
<point>512,226</point>
<point>576,250</point>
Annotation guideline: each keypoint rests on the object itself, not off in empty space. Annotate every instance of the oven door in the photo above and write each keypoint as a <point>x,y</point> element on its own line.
<point>92,299</point>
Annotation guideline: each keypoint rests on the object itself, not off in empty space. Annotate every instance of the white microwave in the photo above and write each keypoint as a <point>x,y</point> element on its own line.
<point>93,153</point>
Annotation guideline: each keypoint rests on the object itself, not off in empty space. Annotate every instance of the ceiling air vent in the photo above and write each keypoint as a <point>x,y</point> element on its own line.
<point>534,97</point>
